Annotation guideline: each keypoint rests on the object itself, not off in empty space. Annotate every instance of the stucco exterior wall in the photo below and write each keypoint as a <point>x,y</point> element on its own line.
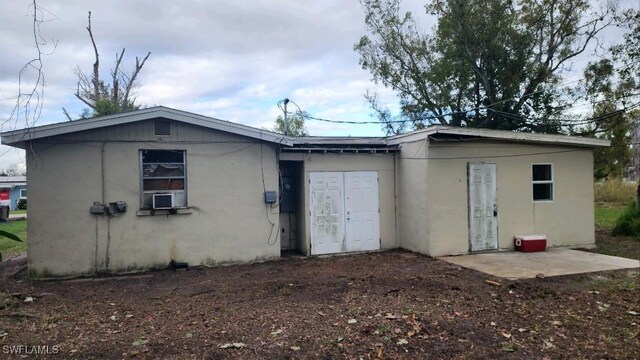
<point>412,199</point>
<point>228,220</point>
<point>379,162</point>
<point>568,220</point>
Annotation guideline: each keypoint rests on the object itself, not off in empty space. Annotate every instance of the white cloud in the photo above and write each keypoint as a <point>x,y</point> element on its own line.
<point>229,59</point>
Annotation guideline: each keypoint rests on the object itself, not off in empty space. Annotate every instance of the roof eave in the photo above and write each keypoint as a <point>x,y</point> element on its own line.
<point>563,140</point>
<point>18,137</point>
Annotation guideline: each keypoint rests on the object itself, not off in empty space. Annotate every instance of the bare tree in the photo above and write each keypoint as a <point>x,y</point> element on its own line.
<point>31,82</point>
<point>105,98</point>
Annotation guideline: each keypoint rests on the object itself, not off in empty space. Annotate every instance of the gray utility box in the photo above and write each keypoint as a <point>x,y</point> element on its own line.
<point>270,197</point>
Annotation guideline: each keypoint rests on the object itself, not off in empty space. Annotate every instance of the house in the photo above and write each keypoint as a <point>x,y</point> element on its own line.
<point>141,189</point>
<point>12,189</point>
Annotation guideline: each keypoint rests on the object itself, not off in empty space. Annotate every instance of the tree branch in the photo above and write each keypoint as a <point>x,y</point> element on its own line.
<point>96,64</point>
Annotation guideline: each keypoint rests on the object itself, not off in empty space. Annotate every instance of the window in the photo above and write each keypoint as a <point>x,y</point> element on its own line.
<point>23,193</point>
<point>542,176</point>
<point>162,127</point>
<point>163,172</point>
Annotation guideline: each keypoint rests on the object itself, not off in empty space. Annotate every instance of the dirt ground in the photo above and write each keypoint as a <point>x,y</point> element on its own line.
<point>624,246</point>
<point>382,305</point>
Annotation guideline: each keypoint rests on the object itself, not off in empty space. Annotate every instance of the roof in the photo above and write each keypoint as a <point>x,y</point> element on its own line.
<point>498,135</point>
<point>16,137</point>
<point>12,181</point>
<point>339,140</point>
<point>341,144</point>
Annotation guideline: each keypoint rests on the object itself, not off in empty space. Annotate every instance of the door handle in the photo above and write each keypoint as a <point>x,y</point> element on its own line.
<point>495,210</point>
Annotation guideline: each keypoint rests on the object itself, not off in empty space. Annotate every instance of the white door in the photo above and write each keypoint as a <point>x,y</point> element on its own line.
<point>361,206</point>
<point>483,213</point>
<point>326,196</point>
<point>344,212</point>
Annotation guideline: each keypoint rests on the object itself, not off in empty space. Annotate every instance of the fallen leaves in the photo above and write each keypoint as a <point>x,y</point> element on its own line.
<point>547,345</point>
<point>139,342</point>
<point>492,283</point>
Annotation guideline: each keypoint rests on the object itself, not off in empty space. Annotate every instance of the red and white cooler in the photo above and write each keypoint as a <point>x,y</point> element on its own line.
<point>530,243</point>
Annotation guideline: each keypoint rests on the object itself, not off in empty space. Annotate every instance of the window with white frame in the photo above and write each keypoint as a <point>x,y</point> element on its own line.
<point>542,178</point>
<point>163,172</point>
<point>23,193</point>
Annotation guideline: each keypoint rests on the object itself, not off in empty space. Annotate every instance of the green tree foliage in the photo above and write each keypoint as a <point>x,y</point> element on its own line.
<point>607,93</point>
<point>107,97</point>
<point>487,63</point>
<point>612,85</point>
<point>295,123</point>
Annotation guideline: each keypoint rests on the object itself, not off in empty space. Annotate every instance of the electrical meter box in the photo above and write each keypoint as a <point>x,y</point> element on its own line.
<point>270,197</point>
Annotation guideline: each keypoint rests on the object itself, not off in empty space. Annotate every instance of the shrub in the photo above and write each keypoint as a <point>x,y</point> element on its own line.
<point>614,191</point>
<point>629,223</point>
<point>22,204</point>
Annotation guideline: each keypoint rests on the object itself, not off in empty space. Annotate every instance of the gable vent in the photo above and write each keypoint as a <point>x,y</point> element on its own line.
<point>163,127</point>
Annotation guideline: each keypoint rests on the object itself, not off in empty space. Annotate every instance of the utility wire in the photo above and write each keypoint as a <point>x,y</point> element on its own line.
<point>503,113</point>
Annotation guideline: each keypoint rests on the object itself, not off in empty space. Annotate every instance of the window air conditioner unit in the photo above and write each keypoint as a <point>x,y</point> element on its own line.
<point>163,201</point>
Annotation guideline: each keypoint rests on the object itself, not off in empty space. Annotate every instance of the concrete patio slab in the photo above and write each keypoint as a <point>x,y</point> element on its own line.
<point>553,262</point>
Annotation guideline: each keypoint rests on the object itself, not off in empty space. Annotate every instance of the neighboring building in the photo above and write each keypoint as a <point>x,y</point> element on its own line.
<point>15,187</point>
<point>138,190</point>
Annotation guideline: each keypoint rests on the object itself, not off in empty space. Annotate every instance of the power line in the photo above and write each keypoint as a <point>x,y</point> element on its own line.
<point>567,121</point>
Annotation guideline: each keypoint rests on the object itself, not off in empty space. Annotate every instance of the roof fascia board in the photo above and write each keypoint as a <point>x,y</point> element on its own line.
<point>500,135</point>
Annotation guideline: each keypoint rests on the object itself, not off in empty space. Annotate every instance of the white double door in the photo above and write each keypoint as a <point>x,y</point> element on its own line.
<point>344,212</point>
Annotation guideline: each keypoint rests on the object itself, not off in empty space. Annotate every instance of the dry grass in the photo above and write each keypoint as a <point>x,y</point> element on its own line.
<point>614,191</point>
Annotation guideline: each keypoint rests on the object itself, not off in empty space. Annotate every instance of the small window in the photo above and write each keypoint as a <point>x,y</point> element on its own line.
<point>163,127</point>
<point>23,193</point>
<point>542,177</point>
<point>163,172</point>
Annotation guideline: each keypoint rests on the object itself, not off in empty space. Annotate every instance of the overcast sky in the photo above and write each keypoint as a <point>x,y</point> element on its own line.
<point>232,60</point>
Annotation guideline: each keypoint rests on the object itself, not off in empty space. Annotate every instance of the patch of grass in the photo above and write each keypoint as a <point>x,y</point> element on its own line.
<point>625,281</point>
<point>607,215</point>
<point>10,247</point>
<point>614,191</point>
<point>16,212</point>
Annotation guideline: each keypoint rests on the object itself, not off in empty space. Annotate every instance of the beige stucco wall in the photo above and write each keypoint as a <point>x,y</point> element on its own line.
<point>228,222</point>
<point>566,221</point>
<point>422,195</point>
<point>411,191</point>
<point>379,162</point>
